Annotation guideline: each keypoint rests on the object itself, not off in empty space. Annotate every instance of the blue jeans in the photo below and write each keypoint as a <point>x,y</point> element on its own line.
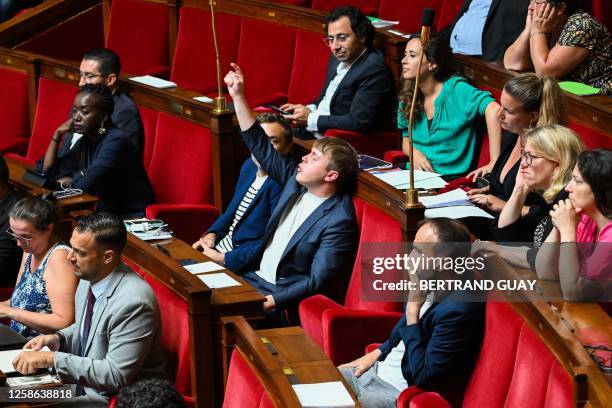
<point>371,390</point>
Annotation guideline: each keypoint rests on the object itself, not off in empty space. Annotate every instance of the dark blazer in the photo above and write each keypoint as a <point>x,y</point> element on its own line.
<point>10,253</point>
<point>248,232</point>
<point>320,255</point>
<point>125,116</point>
<point>365,99</point>
<point>115,174</point>
<point>505,21</point>
<point>442,347</point>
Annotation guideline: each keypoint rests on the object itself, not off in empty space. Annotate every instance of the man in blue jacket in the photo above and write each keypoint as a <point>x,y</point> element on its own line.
<point>236,236</point>
<point>309,244</point>
<point>435,343</point>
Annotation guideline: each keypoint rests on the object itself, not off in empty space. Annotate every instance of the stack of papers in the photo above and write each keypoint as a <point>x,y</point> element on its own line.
<point>204,99</point>
<point>400,179</point>
<point>380,23</point>
<point>7,357</point>
<point>454,204</point>
<point>153,81</point>
<point>218,280</point>
<point>204,267</point>
<point>327,394</point>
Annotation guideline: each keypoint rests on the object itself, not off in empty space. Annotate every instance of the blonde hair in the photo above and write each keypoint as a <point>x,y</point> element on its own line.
<point>539,94</point>
<point>561,145</point>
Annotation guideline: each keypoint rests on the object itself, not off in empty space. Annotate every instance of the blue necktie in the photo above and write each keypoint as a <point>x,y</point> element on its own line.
<point>91,299</point>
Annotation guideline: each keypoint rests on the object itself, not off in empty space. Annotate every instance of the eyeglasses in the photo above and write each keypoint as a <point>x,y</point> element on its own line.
<point>89,75</point>
<point>330,39</point>
<point>25,240</point>
<point>528,157</point>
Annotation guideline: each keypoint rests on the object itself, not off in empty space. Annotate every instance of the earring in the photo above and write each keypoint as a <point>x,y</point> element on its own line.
<point>102,130</point>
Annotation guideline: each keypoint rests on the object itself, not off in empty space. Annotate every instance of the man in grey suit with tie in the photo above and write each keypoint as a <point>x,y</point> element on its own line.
<point>116,337</point>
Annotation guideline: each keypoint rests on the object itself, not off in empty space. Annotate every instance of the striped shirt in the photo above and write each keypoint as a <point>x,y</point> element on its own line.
<point>226,244</point>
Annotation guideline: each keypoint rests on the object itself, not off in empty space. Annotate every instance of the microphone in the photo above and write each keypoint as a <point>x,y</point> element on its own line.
<point>427,20</point>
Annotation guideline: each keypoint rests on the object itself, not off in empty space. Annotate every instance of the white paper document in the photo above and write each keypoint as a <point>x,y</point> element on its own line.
<point>204,267</point>
<point>459,211</point>
<point>384,23</point>
<point>204,99</point>
<point>323,395</point>
<point>402,177</point>
<point>396,32</point>
<point>153,81</point>
<point>7,357</point>
<point>218,280</point>
<point>427,184</point>
<point>448,199</point>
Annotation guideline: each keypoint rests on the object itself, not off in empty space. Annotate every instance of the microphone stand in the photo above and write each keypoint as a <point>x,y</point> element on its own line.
<point>412,195</point>
<point>220,103</point>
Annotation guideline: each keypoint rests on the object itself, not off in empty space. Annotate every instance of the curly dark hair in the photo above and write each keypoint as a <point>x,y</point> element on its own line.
<point>595,166</point>
<point>360,24</point>
<point>150,393</point>
<point>103,94</point>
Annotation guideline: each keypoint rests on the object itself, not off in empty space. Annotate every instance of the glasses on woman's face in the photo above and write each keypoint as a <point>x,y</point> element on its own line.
<point>528,157</point>
<point>21,238</point>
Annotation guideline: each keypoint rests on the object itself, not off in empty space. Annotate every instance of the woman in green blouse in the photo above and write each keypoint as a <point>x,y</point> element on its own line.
<point>447,112</point>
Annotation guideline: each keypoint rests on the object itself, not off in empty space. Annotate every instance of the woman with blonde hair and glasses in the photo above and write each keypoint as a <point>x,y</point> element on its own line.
<point>547,159</point>
<point>527,101</point>
<point>43,299</point>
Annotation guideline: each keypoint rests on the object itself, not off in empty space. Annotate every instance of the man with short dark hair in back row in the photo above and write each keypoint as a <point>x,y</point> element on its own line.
<point>309,243</point>
<point>99,66</point>
<point>358,94</point>
<point>116,338</point>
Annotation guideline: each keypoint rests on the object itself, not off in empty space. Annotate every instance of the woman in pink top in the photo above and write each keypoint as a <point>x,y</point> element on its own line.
<point>583,226</point>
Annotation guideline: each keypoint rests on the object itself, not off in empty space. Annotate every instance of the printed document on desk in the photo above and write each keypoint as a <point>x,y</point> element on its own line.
<point>7,357</point>
<point>453,204</point>
<point>402,177</point>
<point>218,280</point>
<point>327,394</point>
<point>204,267</point>
<point>153,81</point>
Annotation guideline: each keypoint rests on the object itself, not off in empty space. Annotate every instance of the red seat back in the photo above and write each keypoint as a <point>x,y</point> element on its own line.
<point>149,124</point>
<point>244,388</point>
<point>194,64</point>
<point>175,330</point>
<point>593,138</point>
<point>266,56</point>
<point>409,16</point>
<point>448,12</point>
<point>181,164</point>
<point>138,32</point>
<point>14,104</point>
<point>374,226</point>
<point>53,106</point>
<point>515,368</point>
<point>602,11</point>
<point>369,7</point>
<point>307,79</point>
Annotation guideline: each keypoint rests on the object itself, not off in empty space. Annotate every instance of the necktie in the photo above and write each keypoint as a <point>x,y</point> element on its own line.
<point>91,299</point>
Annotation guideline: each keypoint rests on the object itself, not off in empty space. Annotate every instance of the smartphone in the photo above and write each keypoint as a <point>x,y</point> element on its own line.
<point>278,110</point>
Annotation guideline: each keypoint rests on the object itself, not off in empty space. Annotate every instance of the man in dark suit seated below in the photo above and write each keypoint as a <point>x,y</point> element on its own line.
<point>110,166</point>
<point>10,252</point>
<point>116,338</point>
<point>359,94</point>
<point>99,66</point>
<point>309,244</point>
<point>485,28</point>
<point>236,235</point>
<point>435,343</point>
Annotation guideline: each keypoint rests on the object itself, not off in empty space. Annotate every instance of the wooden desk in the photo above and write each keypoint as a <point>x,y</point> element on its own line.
<point>65,206</point>
<point>297,356</point>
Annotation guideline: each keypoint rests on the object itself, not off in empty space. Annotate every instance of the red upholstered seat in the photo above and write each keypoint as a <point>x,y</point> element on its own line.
<point>194,64</point>
<point>409,15</point>
<point>369,7</point>
<point>343,331</point>
<point>14,106</point>
<point>593,138</point>
<point>514,369</point>
<point>303,3</point>
<point>448,12</point>
<point>602,11</point>
<point>52,107</point>
<point>375,143</point>
<point>307,79</point>
<point>265,55</point>
<point>149,125</point>
<point>175,333</point>
<point>181,174</point>
<point>138,32</point>
<point>244,389</point>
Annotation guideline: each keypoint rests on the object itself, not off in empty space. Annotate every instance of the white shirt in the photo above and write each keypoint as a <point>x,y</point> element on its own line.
<point>290,221</point>
<point>324,106</point>
<point>390,369</point>
<point>98,290</point>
